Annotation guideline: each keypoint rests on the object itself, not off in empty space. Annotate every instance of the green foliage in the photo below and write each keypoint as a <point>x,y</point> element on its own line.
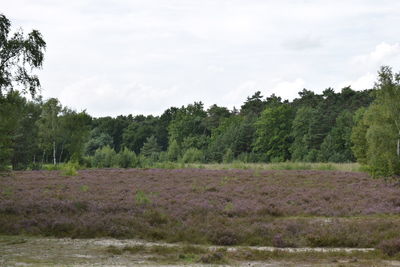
<point>197,141</point>
<point>228,156</point>
<point>300,131</point>
<point>142,198</point>
<point>69,169</point>
<point>19,56</point>
<point>358,136</point>
<point>193,155</point>
<point>49,127</point>
<point>151,148</point>
<point>215,115</point>
<point>97,140</point>
<point>10,109</point>
<point>173,152</point>
<point>253,106</point>
<point>337,144</point>
<point>381,139</point>
<point>126,158</point>
<point>75,132</point>
<point>104,157</point>
<point>188,123</point>
<point>381,124</point>
<point>273,132</point>
<point>84,188</point>
<point>235,133</point>
<point>136,133</point>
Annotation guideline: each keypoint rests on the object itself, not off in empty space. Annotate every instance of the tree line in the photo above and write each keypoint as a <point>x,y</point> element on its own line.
<point>331,126</point>
<point>311,128</point>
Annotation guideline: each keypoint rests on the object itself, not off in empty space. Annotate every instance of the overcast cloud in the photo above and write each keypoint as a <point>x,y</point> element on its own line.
<point>143,56</point>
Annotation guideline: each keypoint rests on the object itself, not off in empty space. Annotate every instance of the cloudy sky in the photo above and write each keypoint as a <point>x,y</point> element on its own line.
<point>143,56</point>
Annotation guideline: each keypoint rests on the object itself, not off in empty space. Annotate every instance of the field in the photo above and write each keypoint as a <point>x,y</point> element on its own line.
<point>279,208</point>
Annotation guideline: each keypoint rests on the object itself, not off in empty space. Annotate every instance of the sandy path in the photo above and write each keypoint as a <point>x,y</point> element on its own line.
<point>30,251</point>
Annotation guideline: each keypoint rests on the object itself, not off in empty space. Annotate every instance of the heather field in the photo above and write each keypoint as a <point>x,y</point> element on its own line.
<point>200,206</point>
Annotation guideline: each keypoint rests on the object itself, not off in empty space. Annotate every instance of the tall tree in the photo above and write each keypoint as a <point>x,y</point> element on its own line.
<point>75,128</point>
<point>19,56</point>
<point>273,129</point>
<point>254,105</point>
<point>382,124</point>
<point>188,128</point>
<point>358,136</point>
<point>12,105</point>
<point>49,127</point>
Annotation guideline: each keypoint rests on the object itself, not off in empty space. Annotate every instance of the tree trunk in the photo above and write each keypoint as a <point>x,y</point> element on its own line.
<point>62,150</point>
<point>398,147</point>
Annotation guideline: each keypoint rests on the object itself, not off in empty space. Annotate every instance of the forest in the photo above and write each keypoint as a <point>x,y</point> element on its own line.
<point>345,126</point>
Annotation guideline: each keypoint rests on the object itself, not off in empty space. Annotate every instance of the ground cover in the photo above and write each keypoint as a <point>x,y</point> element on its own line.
<point>39,251</point>
<point>297,208</point>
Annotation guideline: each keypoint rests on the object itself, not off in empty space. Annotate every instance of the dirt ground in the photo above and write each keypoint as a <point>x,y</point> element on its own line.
<point>35,251</point>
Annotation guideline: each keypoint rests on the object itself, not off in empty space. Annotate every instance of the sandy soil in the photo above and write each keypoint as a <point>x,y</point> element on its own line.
<point>30,251</point>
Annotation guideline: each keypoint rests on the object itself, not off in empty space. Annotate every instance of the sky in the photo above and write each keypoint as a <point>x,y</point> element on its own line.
<point>144,56</point>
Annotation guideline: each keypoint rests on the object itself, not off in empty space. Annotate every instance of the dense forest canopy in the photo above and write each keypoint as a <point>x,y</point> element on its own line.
<point>313,127</point>
<point>332,126</point>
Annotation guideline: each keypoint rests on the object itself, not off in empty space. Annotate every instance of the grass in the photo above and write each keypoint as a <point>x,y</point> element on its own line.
<point>349,167</point>
<point>222,255</point>
<point>319,166</point>
<point>65,252</point>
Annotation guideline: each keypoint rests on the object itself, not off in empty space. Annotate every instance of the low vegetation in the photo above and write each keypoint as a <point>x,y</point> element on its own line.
<point>296,208</point>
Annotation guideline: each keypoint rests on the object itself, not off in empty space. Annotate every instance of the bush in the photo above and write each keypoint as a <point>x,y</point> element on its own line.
<point>228,156</point>
<point>225,238</point>
<point>69,169</point>
<point>173,151</point>
<point>51,167</point>
<point>127,158</point>
<point>35,166</point>
<point>163,156</point>
<point>193,155</point>
<point>390,247</point>
<point>104,157</point>
<point>87,161</point>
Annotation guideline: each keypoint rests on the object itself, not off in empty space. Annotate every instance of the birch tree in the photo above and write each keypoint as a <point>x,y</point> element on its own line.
<point>49,127</point>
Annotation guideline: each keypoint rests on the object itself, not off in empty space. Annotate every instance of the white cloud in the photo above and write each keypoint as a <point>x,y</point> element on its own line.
<point>99,97</point>
<point>216,69</point>
<point>239,94</point>
<point>144,56</point>
<point>381,54</point>
<point>289,89</point>
<point>303,42</point>
<point>366,81</point>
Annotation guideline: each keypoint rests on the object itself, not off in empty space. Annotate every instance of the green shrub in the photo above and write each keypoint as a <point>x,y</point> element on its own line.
<point>51,167</point>
<point>126,158</point>
<point>142,198</point>
<point>173,152</point>
<point>167,165</point>
<point>228,156</point>
<point>163,156</point>
<point>87,161</point>
<point>69,169</point>
<point>104,157</point>
<point>193,155</point>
